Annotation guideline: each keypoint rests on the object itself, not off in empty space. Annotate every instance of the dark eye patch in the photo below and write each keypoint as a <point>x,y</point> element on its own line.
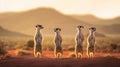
<point>39,25</point>
<point>92,28</point>
<point>57,29</point>
<point>79,26</point>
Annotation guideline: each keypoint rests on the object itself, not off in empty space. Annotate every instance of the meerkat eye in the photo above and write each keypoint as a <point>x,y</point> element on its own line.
<point>40,25</point>
<point>57,29</point>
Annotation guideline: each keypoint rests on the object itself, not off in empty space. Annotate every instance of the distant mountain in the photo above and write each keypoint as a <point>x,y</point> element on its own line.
<point>95,20</point>
<point>50,18</point>
<point>112,29</point>
<point>7,33</point>
<point>100,34</point>
<point>97,34</point>
<point>88,18</point>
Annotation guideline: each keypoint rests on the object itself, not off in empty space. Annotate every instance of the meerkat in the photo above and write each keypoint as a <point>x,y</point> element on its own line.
<point>57,41</point>
<point>91,42</point>
<point>79,42</point>
<point>38,42</point>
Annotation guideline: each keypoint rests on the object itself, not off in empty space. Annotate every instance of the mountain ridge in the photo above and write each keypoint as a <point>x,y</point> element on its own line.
<point>50,18</point>
<point>8,33</point>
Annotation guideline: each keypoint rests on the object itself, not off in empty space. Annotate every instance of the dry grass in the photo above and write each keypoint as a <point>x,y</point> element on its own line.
<point>5,56</point>
<point>106,44</point>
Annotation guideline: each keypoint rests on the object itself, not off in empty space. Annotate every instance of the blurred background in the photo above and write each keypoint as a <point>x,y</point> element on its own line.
<point>19,17</point>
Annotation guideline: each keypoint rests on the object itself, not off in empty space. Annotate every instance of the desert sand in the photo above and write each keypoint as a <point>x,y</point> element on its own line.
<point>48,60</point>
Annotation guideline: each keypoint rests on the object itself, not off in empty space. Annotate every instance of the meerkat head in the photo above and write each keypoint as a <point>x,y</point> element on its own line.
<point>79,27</point>
<point>39,27</point>
<point>57,29</point>
<point>93,29</point>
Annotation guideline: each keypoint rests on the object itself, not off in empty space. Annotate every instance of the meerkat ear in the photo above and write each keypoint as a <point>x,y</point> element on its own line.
<point>37,25</point>
<point>54,29</point>
<point>89,28</point>
<point>78,26</point>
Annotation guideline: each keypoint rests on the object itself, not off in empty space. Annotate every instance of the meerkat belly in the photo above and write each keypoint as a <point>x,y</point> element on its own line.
<point>79,40</point>
<point>79,44</point>
<point>38,40</point>
<point>91,42</point>
<point>37,45</point>
<point>58,41</point>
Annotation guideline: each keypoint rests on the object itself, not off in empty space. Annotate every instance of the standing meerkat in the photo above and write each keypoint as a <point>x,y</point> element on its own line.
<point>57,41</point>
<point>38,42</point>
<point>91,42</point>
<point>79,42</point>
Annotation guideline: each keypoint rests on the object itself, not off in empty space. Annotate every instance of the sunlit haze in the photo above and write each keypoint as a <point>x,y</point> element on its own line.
<point>100,8</point>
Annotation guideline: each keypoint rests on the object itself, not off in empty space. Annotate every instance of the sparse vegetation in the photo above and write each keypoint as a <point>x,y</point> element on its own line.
<point>106,44</point>
<point>113,46</point>
<point>30,43</point>
<point>2,50</point>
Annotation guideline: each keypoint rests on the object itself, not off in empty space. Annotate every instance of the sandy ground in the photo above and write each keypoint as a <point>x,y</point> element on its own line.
<point>48,60</point>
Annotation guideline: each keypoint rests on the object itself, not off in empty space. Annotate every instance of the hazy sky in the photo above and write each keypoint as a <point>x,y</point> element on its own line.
<point>100,8</point>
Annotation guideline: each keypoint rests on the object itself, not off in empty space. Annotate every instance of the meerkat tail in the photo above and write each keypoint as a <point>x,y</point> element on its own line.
<point>38,55</point>
<point>79,55</point>
<point>59,55</point>
<point>91,54</point>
